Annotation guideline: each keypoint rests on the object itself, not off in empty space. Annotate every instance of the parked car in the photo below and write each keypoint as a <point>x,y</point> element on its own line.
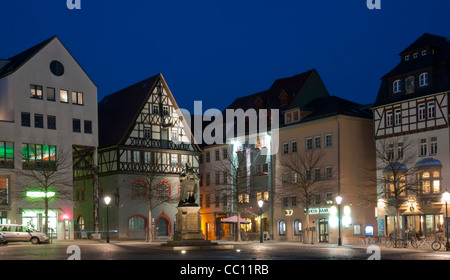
<point>2,238</point>
<point>21,233</point>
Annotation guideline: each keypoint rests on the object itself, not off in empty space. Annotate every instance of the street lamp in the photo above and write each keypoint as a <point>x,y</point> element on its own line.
<point>107,201</point>
<point>260,204</point>
<point>446,199</point>
<point>339,201</point>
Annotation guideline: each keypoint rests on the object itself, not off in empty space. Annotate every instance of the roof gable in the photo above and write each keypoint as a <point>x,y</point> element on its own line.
<point>124,115</point>
<point>12,64</point>
<point>117,111</point>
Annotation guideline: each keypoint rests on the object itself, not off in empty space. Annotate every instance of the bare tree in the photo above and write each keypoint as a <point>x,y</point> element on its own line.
<point>297,179</point>
<point>238,182</point>
<point>156,194</point>
<point>45,176</point>
<point>396,172</point>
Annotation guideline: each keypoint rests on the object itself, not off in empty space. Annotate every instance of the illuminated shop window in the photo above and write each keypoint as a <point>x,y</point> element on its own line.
<point>6,154</point>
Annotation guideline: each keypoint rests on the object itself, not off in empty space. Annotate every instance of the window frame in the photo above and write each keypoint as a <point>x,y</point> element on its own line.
<point>397,86</point>
<point>34,91</point>
<point>423,79</point>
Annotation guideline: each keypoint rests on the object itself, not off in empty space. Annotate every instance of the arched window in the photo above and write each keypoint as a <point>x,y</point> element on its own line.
<point>139,189</point>
<point>163,191</point>
<point>397,86</point>
<point>137,226</point>
<point>281,225</point>
<point>423,79</point>
<point>297,226</point>
<point>80,223</point>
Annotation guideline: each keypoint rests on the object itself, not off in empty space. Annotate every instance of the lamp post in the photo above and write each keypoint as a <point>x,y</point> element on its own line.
<point>260,204</point>
<point>107,201</point>
<point>446,199</point>
<point>339,201</point>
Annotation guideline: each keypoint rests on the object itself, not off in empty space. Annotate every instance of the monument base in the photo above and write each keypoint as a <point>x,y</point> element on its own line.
<point>188,233</point>
<point>189,224</point>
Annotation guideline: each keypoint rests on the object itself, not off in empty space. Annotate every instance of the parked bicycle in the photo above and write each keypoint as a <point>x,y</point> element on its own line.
<point>438,243</point>
<point>422,241</point>
<point>400,242</point>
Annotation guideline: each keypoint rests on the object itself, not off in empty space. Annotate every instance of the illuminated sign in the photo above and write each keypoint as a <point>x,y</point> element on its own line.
<point>288,212</point>
<point>313,211</point>
<point>40,194</point>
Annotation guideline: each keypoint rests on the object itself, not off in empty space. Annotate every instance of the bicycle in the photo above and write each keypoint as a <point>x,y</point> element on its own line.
<point>422,241</point>
<point>400,242</point>
<point>438,243</point>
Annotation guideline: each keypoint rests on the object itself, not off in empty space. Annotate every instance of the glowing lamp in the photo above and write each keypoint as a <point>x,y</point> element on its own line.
<point>107,200</point>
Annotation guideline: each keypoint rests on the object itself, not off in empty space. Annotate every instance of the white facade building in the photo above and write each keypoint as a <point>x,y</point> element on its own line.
<point>48,106</point>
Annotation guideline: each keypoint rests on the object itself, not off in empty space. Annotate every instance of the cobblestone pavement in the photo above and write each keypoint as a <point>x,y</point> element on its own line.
<point>272,250</point>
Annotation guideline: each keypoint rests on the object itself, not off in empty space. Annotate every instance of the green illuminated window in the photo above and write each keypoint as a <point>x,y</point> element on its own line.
<point>6,154</point>
<point>37,156</point>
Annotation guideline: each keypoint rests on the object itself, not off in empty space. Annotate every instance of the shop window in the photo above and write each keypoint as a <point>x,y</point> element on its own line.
<point>4,190</point>
<point>6,154</point>
<point>297,225</point>
<point>281,225</point>
<point>369,230</point>
<point>37,156</point>
<point>431,182</point>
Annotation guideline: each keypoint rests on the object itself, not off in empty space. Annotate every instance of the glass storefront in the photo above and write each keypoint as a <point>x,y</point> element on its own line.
<point>427,225</point>
<point>35,218</point>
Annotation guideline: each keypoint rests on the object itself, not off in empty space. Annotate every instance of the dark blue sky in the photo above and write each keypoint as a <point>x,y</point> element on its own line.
<point>216,51</point>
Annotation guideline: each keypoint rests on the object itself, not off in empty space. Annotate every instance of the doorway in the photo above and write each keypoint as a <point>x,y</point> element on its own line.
<point>323,230</point>
<point>162,227</point>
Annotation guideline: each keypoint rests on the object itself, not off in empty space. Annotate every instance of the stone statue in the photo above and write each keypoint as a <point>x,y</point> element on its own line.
<point>188,189</point>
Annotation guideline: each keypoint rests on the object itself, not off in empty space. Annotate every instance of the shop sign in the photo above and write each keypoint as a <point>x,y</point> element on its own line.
<point>313,211</point>
<point>288,212</point>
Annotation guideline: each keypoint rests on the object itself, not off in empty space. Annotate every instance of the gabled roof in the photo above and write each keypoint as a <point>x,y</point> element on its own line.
<point>14,63</point>
<point>117,111</point>
<point>20,59</point>
<point>332,106</point>
<point>439,44</point>
<point>436,63</point>
<point>426,40</point>
<point>271,97</point>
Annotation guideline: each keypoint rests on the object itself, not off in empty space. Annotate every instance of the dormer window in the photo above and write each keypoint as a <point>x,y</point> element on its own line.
<point>415,55</point>
<point>423,79</point>
<point>424,53</point>
<point>293,116</point>
<point>406,57</point>
<point>397,86</point>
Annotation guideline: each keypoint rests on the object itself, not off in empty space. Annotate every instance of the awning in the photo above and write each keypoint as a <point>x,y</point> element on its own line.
<point>428,162</point>
<point>397,167</point>
<point>233,219</point>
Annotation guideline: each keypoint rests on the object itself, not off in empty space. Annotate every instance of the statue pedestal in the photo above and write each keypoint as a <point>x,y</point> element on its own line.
<point>188,233</point>
<point>189,224</point>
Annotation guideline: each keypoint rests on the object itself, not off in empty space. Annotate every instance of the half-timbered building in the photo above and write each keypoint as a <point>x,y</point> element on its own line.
<point>144,143</point>
<point>411,110</point>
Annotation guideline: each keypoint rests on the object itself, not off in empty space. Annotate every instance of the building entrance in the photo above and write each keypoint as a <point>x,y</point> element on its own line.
<point>323,231</point>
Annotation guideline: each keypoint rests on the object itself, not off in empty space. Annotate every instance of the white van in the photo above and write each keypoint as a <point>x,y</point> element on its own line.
<point>21,233</point>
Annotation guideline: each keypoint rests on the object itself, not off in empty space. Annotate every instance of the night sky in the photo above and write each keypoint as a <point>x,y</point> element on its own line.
<point>216,51</point>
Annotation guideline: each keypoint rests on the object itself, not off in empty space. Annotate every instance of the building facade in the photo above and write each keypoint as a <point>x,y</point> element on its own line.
<point>48,107</point>
<point>325,152</point>
<point>411,125</point>
<point>241,172</point>
<point>144,144</point>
